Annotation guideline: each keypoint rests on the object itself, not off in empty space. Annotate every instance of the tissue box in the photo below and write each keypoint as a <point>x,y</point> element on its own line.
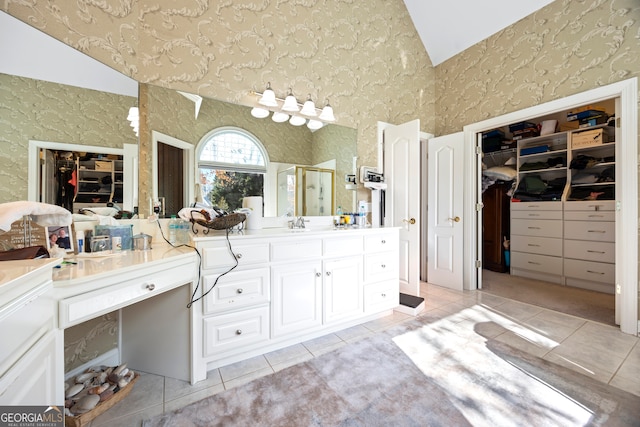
<point>125,232</point>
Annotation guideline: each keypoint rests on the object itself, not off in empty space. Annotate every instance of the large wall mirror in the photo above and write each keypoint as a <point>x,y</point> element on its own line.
<point>173,118</point>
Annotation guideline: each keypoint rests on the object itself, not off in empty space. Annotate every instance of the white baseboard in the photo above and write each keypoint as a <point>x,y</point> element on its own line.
<point>110,358</point>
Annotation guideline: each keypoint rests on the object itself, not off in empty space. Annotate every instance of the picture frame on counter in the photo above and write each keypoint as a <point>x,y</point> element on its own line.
<point>60,236</point>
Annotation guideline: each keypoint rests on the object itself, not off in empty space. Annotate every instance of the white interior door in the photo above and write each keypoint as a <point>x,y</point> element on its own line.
<point>445,222</point>
<point>402,175</point>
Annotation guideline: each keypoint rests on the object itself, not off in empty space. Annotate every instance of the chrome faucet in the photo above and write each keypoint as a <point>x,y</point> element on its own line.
<point>299,222</point>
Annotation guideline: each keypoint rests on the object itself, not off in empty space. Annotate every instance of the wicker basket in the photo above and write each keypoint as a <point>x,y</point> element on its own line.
<point>224,222</point>
<point>84,419</point>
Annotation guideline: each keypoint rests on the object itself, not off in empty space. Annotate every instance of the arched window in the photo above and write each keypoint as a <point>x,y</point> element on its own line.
<point>231,163</point>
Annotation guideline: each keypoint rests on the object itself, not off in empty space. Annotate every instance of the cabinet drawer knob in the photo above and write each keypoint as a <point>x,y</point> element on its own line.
<point>383,241</point>
<point>318,274</point>
<point>239,332</point>
<point>238,256</point>
<point>596,231</point>
<point>240,290</point>
<point>384,295</point>
<point>151,286</point>
<point>595,272</point>
<point>534,263</point>
<point>328,273</point>
<point>383,266</point>
<point>595,252</point>
<point>533,228</point>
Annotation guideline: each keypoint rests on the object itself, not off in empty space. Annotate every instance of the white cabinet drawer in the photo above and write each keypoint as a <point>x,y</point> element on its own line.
<point>593,231</point>
<point>381,242</point>
<point>590,205</point>
<point>536,206</point>
<point>82,307</point>
<point>589,270</point>
<point>534,214</point>
<point>343,246</point>
<point>590,216</point>
<point>536,227</point>
<point>216,255</point>
<point>380,266</point>
<point>236,289</point>
<point>291,250</point>
<point>381,296</point>
<point>590,251</point>
<point>232,331</point>
<point>540,263</point>
<point>536,245</point>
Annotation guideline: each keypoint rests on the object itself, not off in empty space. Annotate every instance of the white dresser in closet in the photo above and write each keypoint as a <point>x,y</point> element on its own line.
<point>536,240</point>
<point>589,245</point>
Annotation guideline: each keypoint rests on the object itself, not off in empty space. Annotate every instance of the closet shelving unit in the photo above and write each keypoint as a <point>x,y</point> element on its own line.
<point>95,182</point>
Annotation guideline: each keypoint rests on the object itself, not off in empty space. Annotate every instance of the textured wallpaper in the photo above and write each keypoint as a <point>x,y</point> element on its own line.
<point>565,48</point>
<point>37,110</point>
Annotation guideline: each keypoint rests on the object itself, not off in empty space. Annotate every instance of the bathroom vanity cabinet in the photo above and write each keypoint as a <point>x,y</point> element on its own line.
<point>31,349</point>
<point>288,287</point>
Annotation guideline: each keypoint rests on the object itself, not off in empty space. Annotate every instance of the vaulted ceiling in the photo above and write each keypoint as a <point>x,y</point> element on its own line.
<point>449,27</point>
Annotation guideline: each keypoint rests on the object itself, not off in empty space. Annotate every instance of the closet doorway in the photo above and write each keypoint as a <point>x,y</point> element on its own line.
<point>624,285</point>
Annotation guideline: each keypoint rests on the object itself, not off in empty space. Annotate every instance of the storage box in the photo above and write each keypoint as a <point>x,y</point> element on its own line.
<point>125,232</point>
<point>589,138</point>
<point>584,115</point>
<point>534,150</point>
<point>521,126</point>
<point>101,165</point>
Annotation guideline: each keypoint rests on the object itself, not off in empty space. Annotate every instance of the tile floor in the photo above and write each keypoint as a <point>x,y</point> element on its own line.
<point>591,348</point>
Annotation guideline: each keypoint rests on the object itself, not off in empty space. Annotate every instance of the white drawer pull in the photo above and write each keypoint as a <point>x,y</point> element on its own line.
<point>596,216</point>
<point>383,242</point>
<point>238,256</point>
<point>534,206</point>
<point>531,244</point>
<point>534,214</point>
<point>596,252</point>
<point>239,290</point>
<point>384,295</point>
<point>151,286</point>
<point>533,228</point>
<point>534,263</point>
<point>596,231</point>
<point>383,266</point>
<point>239,332</point>
<point>594,272</point>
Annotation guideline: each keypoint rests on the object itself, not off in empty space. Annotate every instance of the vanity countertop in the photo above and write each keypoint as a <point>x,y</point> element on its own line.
<point>17,277</point>
<point>285,232</point>
<point>95,267</point>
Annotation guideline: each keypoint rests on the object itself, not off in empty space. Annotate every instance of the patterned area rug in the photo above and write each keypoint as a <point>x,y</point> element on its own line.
<point>425,372</point>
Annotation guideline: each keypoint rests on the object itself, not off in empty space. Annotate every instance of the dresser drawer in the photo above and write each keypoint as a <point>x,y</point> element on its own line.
<point>533,214</point>
<point>236,289</point>
<point>589,270</point>
<point>536,206</point>
<point>540,263</point>
<point>342,246</point>
<point>590,205</point>
<point>381,296</point>
<point>536,227</point>
<point>380,266</point>
<point>227,332</point>
<point>590,216</point>
<point>590,251</point>
<point>85,306</point>
<point>291,250</point>
<point>381,242</point>
<point>536,245</point>
<point>592,231</point>
<point>216,255</point>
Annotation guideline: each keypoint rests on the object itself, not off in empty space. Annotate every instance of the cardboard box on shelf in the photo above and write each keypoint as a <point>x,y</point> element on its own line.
<point>589,138</point>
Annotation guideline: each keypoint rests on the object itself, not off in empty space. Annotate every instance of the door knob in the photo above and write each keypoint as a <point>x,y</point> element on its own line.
<point>410,221</point>
<point>456,219</point>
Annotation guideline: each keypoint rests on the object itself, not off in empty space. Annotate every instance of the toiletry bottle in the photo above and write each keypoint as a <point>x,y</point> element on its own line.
<point>80,236</point>
<point>173,230</point>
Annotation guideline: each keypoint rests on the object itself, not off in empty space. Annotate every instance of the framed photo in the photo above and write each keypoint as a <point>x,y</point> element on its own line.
<point>59,236</point>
